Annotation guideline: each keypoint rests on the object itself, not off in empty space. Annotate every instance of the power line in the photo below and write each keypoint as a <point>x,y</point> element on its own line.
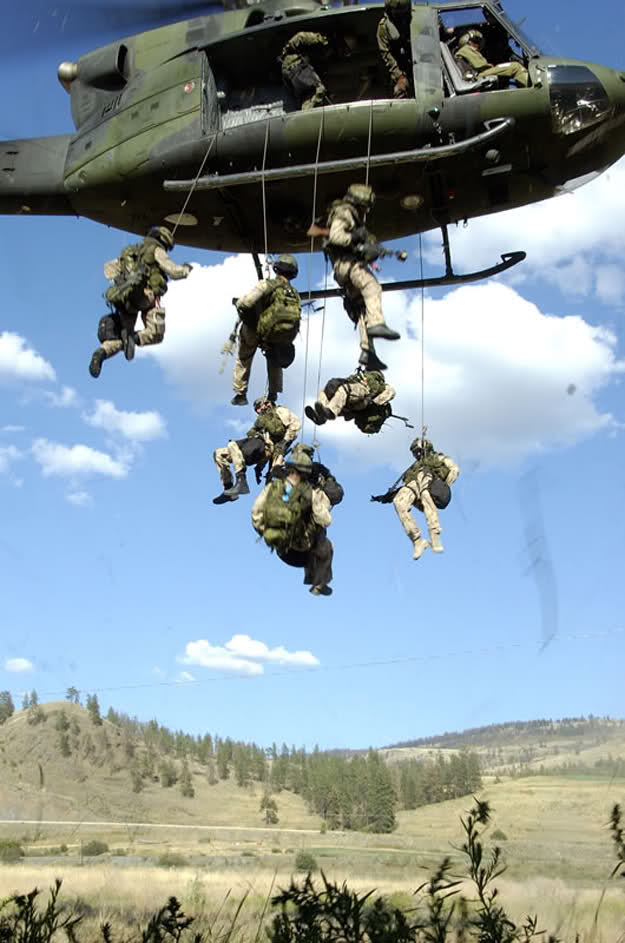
<point>349,666</point>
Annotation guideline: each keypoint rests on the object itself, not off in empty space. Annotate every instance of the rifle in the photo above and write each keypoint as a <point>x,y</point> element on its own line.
<point>315,231</point>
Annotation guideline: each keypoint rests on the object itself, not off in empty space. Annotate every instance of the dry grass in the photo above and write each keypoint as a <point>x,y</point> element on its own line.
<point>125,897</point>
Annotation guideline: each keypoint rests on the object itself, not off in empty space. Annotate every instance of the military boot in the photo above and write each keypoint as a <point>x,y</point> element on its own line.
<point>241,487</point>
<point>420,544</point>
<point>384,332</point>
<point>370,360</point>
<point>97,360</point>
<point>223,498</point>
<point>321,590</point>
<point>437,546</point>
<point>311,412</point>
<point>128,340</point>
<point>239,399</point>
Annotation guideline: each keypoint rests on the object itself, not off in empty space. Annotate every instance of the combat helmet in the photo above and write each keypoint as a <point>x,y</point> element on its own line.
<point>472,36</point>
<point>360,195</point>
<point>300,459</point>
<point>421,446</point>
<point>163,235</point>
<point>286,265</point>
<point>261,401</point>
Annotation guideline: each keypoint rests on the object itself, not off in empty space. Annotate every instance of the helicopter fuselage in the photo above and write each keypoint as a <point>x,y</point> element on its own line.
<point>196,114</point>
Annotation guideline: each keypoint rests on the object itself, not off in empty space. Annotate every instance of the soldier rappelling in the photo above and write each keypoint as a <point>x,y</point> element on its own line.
<point>139,280</point>
<point>363,397</point>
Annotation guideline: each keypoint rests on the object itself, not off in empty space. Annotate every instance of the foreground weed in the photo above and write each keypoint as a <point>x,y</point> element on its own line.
<point>22,922</point>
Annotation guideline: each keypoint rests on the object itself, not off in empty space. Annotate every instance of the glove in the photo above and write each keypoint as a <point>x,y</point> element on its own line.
<point>258,472</point>
<point>385,498</point>
<point>235,302</point>
<point>401,86</point>
<point>360,234</point>
<point>188,267</point>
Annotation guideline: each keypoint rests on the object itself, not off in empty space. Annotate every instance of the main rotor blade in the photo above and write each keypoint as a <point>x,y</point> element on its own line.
<point>40,27</point>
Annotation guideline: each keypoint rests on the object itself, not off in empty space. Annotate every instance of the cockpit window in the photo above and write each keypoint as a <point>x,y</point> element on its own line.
<point>578,99</point>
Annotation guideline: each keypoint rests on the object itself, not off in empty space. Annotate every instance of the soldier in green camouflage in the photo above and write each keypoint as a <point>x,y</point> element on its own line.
<point>270,318</point>
<point>425,485</point>
<point>269,439</point>
<point>393,37</point>
<point>351,397</point>
<point>139,280</point>
<point>298,73</point>
<point>469,55</point>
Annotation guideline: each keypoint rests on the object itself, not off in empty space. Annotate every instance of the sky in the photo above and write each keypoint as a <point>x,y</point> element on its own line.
<point>119,576</point>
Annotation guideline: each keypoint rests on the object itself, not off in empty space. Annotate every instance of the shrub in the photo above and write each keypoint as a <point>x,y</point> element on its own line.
<point>10,850</point>
<point>498,835</point>
<point>304,861</point>
<point>64,849</point>
<point>94,847</point>
<point>172,859</point>
<point>276,851</point>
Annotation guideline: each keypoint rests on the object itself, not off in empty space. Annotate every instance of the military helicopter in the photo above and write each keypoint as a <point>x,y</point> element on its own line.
<point>195,113</point>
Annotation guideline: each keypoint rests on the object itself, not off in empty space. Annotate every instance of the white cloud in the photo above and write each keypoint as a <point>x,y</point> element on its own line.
<point>75,461</point>
<point>242,655</point>
<point>11,429</point>
<point>184,677</point>
<point>18,665</point>
<point>67,397</point>
<point>19,362</point>
<point>79,498</point>
<point>569,240</point>
<point>8,454</point>
<point>496,371</point>
<point>137,427</point>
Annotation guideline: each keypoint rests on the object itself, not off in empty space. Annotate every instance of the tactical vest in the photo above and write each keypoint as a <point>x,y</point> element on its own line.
<point>432,462</point>
<point>279,322</point>
<point>340,253</point>
<point>138,270</point>
<point>287,517</point>
<point>373,379</point>
<point>268,422</point>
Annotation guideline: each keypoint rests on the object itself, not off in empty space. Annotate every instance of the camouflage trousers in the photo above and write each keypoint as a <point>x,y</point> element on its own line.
<point>407,496</point>
<point>229,455</point>
<point>153,329</point>
<point>248,345</point>
<point>358,281</point>
<point>508,70</point>
<point>357,394</point>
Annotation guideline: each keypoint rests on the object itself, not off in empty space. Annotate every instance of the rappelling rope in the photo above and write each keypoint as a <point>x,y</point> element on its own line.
<point>262,183</point>
<point>193,185</point>
<point>422,334</point>
<point>369,141</point>
<point>310,263</point>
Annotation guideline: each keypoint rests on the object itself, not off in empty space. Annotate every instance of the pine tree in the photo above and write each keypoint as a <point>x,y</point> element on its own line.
<point>7,707</point>
<point>269,807</point>
<point>61,723</point>
<point>72,695</point>
<point>94,709</point>
<point>186,786</point>
<point>136,778</point>
<point>34,699</point>
<point>25,701</point>
<point>64,744</point>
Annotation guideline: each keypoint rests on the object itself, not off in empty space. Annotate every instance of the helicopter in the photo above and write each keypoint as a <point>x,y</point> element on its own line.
<point>195,113</point>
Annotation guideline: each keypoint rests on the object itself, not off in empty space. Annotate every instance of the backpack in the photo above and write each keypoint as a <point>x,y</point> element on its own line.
<point>278,323</point>
<point>109,328</point>
<point>270,423</point>
<point>440,491</point>
<point>371,419</point>
<point>287,517</point>
<point>137,270</point>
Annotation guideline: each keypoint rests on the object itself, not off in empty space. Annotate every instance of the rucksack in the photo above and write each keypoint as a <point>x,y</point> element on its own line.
<point>438,487</point>
<point>109,328</point>
<point>371,419</point>
<point>269,422</point>
<point>137,270</point>
<point>279,322</point>
<point>287,517</point>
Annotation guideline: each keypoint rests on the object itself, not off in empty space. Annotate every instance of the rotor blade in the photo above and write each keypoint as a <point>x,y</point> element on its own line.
<point>39,27</point>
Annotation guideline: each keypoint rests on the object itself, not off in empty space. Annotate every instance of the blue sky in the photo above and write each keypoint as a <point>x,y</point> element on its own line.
<point>114,561</point>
